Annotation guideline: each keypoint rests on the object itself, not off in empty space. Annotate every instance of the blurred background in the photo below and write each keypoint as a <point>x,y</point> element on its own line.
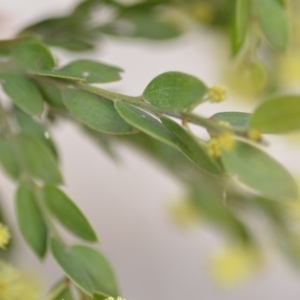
<point>128,202</point>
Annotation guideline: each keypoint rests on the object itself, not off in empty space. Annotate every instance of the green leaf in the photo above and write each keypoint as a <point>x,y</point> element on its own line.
<point>68,214</point>
<point>145,122</point>
<point>8,158</point>
<point>99,296</point>
<point>87,268</point>
<point>257,170</point>
<point>51,94</point>
<point>38,159</point>
<point>273,22</point>
<point>60,291</point>
<point>147,26</point>
<point>95,111</point>
<point>30,220</point>
<point>23,93</point>
<point>32,55</point>
<point>237,120</point>
<point>31,126</point>
<point>191,148</point>
<point>242,19</point>
<point>91,71</point>
<point>174,91</point>
<point>277,115</point>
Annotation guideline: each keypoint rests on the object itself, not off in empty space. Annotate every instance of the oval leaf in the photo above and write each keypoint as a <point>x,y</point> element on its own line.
<point>91,71</point>
<point>87,268</point>
<point>59,203</point>
<point>174,91</point>
<point>8,158</point>
<point>23,93</point>
<point>191,148</point>
<point>32,55</point>
<point>237,120</point>
<point>145,122</point>
<point>38,160</point>
<point>273,22</point>
<point>95,111</point>
<point>31,126</point>
<point>257,170</point>
<point>277,115</point>
<point>242,16</point>
<point>30,220</point>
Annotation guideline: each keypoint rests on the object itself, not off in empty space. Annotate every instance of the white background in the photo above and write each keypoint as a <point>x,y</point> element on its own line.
<point>127,203</point>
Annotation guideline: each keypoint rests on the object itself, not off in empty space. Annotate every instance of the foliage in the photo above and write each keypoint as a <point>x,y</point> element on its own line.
<point>42,92</point>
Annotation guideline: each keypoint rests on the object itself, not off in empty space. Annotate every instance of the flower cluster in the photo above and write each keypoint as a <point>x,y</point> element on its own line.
<point>217,144</point>
<point>14,285</point>
<point>216,94</point>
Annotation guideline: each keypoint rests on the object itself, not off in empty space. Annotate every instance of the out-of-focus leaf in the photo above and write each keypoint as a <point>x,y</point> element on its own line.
<point>23,93</point>
<point>273,21</point>
<point>32,55</point>
<point>30,220</point>
<point>91,71</point>
<point>60,291</point>
<point>87,268</point>
<point>174,91</point>
<point>8,158</point>
<point>255,169</point>
<point>146,123</point>
<point>277,115</point>
<point>51,94</point>
<point>95,111</point>
<point>38,159</point>
<point>31,126</point>
<point>147,26</point>
<point>208,200</point>
<point>74,220</point>
<point>240,24</point>
<point>237,120</point>
<point>191,148</point>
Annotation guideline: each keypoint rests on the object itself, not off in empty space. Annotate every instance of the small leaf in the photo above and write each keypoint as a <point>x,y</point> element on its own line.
<point>71,266</point>
<point>68,214</point>
<point>8,158</point>
<point>237,120</point>
<point>38,160</point>
<point>277,115</point>
<point>260,172</point>
<point>60,291</point>
<point>242,18</point>
<point>91,71</point>
<point>273,22</point>
<point>191,148</point>
<point>23,93</point>
<point>147,26</point>
<point>31,126</point>
<point>87,268</point>
<point>32,55</point>
<point>95,111</point>
<point>30,220</point>
<point>51,94</point>
<point>174,91</point>
<point>145,122</point>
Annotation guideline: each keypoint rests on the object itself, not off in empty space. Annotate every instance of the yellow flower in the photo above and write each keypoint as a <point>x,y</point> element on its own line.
<point>226,140</point>
<point>15,286</point>
<point>233,265</point>
<point>213,147</point>
<point>216,94</point>
<point>216,145</point>
<point>4,236</point>
<point>254,135</point>
<point>111,298</point>
<point>225,123</point>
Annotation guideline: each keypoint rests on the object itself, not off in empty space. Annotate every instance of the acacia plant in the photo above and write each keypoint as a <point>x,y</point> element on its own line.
<point>229,173</point>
